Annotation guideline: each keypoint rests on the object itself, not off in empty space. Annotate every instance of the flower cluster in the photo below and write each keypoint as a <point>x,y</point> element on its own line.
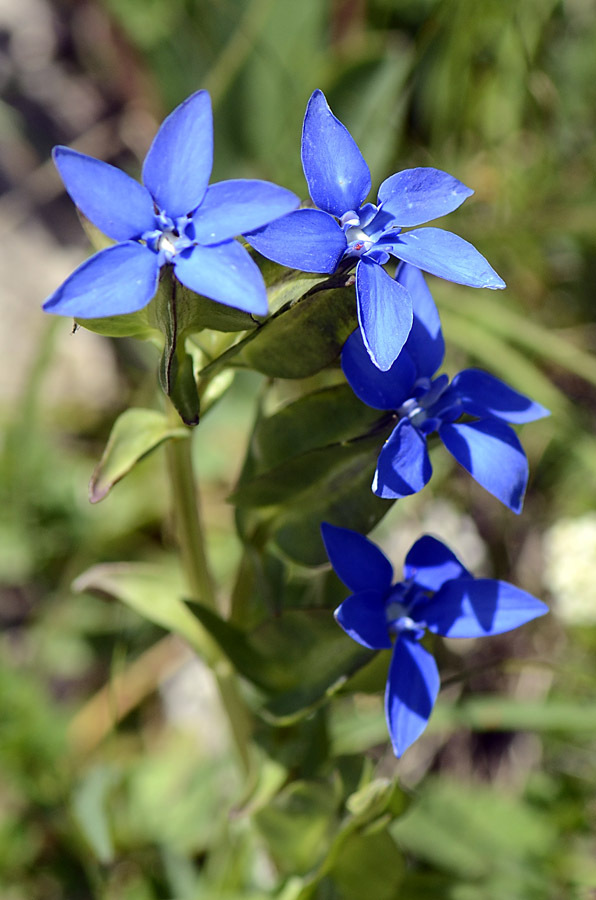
<point>437,595</point>
<point>176,219</point>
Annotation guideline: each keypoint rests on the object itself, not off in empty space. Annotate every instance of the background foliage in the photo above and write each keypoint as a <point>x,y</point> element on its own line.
<point>115,778</point>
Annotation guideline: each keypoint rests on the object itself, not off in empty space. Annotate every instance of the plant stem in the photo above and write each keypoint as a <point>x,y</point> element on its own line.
<point>191,538</point>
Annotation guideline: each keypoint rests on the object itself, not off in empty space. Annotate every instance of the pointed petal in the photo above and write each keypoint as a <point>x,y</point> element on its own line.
<point>337,175</point>
<point>118,280</point>
<point>381,390</point>
<point>430,563</point>
<point>494,457</point>
<point>362,616</point>
<point>447,256</point>
<point>425,342</point>
<point>384,313</point>
<point>482,394</point>
<point>308,239</point>
<point>403,467</point>
<point>224,273</point>
<point>412,688</point>
<point>360,564</point>
<point>119,206</point>
<point>415,196</point>
<point>232,207</point>
<point>178,165</point>
<point>474,607</point>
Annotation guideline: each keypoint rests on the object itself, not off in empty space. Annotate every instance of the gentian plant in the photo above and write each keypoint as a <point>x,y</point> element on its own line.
<point>309,461</point>
<point>173,217</point>
<point>425,403</point>
<point>345,231</point>
<point>438,595</point>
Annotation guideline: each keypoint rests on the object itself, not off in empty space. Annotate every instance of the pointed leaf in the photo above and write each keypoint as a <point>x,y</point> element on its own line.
<point>302,340</point>
<point>150,590</point>
<point>135,433</point>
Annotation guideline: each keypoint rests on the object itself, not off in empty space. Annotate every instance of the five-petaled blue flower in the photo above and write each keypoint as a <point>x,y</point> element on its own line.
<point>438,595</point>
<point>346,231</point>
<point>487,447</point>
<point>173,217</point>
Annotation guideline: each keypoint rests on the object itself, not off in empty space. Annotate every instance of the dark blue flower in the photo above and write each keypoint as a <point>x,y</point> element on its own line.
<point>173,217</point>
<point>487,447</point>
<point>345,231</point>
<point>438,595</point>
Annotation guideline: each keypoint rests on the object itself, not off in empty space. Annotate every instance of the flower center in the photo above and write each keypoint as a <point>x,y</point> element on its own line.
<point>424,407</point>
<point>169,237</point>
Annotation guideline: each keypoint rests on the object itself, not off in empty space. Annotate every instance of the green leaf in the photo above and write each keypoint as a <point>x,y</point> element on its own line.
<point>90,804</point>
<point>135,325</point>
<point>300,340</point>
<point>151,590</point>
<point>298,824</point>
<point>368,865</point>
<point>135,433</point>
<point>322,417</point>
<point>297,658</point>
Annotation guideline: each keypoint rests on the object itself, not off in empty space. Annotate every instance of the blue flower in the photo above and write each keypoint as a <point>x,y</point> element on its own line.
<point>438,595</point>
<point>487,447</point>
<point>173,217</point>
<point>344,231</point>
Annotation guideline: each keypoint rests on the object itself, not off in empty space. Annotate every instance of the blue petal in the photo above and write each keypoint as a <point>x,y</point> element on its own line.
<point>384,313</point>
<point>362,616</point>
<point>430,563</point>
<point>412,688</point>
<point>475,607</point>
<point>381,390</point>
<point>337,175</point>
<point>118,280</point>
<point>308,239</point>
<point>446,255</point>
<point>483,395</point>
<point>178,165</point>
<point>418,195</point>
<point>492,454</point>
<point>360,564</point>
<point>425,342</point>
<point>119,206</point>
<point>232,207</point>
<point>225,273</point>
<point>403,467</point>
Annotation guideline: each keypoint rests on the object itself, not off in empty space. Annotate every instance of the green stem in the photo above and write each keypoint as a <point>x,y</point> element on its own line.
<point>191,540</point>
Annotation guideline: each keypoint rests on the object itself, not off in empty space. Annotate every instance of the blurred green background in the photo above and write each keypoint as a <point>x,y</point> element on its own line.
<point>113,782</point>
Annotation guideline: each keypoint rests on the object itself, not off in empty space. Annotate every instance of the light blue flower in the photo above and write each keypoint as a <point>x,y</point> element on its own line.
<point>174,217</point>
<point>424,403</point>
<point>437,595</point>
<point>345,231</point>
